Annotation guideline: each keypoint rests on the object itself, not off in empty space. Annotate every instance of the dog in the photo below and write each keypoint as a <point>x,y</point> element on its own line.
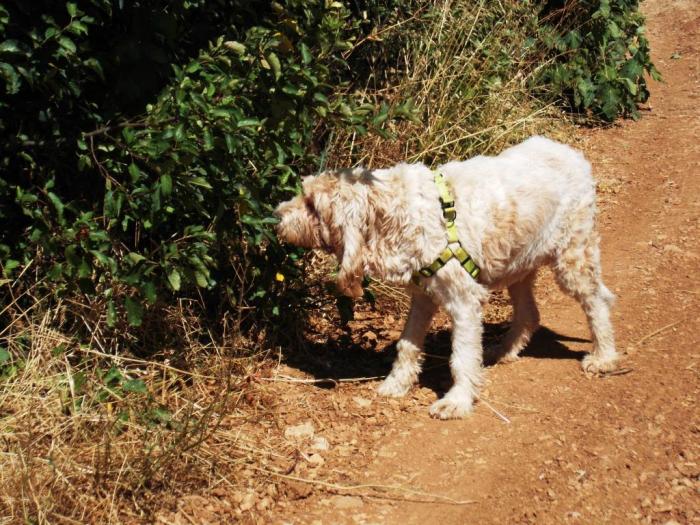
<point>532,205</point>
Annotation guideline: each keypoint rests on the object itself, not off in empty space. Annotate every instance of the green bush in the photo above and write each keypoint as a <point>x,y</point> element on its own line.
<point>601,55</point>
<point>130,207</point>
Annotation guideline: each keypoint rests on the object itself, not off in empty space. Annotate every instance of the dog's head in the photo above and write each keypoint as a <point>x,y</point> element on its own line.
<point>330,215</point>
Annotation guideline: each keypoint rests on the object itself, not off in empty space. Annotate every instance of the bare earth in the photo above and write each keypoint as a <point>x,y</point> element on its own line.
<point>546,444</point>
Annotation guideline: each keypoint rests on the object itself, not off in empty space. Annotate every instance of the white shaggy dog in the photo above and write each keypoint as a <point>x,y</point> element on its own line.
<point>532,205</point>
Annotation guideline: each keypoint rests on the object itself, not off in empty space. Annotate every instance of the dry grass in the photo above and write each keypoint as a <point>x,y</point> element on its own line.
<point>93,436</point>
<point>468,67</point>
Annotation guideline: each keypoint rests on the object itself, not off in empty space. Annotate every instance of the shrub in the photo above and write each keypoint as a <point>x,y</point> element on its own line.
<point>601,56</point>
<point>177,198</point>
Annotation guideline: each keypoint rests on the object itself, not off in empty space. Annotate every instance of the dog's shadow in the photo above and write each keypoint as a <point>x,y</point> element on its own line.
<point>341,359</point>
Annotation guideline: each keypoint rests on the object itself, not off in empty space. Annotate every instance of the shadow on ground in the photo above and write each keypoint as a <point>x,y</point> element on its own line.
<point>341,359</point>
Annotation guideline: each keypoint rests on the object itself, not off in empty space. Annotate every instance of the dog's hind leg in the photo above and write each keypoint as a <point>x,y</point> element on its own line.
<point>577,271</point>
<point>407,365</point>
<point>526,319</point>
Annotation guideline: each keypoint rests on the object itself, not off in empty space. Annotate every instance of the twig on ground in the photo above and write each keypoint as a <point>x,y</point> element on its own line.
<point>654,333</point>
<point>490,406</point>
<point>618,372</point>
<point>289,379</point>
<point>435,498</point>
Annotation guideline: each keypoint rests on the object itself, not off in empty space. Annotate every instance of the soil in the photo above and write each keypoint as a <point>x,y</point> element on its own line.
<point>546,443</point>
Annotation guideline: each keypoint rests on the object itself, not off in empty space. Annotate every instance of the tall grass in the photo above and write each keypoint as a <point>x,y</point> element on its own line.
<point>469,68</point>
<point>88,434</point>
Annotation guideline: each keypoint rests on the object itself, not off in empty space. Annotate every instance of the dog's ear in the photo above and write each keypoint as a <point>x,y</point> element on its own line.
<point>341,222</point>
<point>351,270</point>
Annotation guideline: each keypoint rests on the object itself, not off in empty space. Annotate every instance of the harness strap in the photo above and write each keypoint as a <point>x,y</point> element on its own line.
<point>454,246</point>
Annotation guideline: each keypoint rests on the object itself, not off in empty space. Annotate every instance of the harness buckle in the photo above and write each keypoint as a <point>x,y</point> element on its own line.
<point>426,272</point>
<point>450,214</point>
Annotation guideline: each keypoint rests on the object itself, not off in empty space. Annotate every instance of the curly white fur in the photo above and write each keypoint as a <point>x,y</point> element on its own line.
<point>532,205</point>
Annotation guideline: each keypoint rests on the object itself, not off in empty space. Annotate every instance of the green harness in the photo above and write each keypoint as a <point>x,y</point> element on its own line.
<point>454,247</point>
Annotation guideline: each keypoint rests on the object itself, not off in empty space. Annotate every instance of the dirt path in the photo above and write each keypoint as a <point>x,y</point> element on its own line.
<point>622,449</point>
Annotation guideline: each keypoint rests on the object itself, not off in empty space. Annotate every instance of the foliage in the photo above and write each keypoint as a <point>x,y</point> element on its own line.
<point>180,197</point>
<point>143,162</point>
<point>601,55</point>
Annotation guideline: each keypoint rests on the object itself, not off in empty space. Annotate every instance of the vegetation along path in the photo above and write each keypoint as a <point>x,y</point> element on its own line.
<point>547,444</point>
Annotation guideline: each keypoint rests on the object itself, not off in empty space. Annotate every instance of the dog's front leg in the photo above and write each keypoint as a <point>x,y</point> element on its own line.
<point>406,367</point>
<point>466,359</point>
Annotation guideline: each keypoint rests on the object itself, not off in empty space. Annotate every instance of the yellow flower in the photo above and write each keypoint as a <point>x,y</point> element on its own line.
<point>279,277</point>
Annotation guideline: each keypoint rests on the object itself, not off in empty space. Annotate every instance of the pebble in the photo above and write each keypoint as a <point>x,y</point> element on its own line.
<point>320,443</point>
<point>316,460</point>
<point>362,402</point>
<point>248,501</point>
<point>300,432</point>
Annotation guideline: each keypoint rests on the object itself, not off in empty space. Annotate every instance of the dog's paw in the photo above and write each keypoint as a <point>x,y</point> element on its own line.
<point>390,387</point>
<point>593,364</point>
<point>498,353</point>
<point>451,407</point>
<point>509,357</point>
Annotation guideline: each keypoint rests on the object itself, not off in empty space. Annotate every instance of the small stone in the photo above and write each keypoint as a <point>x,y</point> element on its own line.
<point>370,336</point>
<point>263,504</point>
<point>320,443</point>
<point>316,460</point>
<point>300,432</point>
<point>362,402</point>
<point>298,489</point>
<point>248,501</point>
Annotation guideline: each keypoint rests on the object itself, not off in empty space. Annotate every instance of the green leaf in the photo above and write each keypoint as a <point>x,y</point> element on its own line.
<point>305,54</point>
<point>201,182</point>
<point>67,44</point>
<point>113,377</point>
<point>631,86</point>
<point>135,385</point>
<point>174,279</point>
<point>4,355</point>
<point>134,172</point>
<point>149,292</point>
<point>320,97</point>
<point>111,314</point>
<point>166,185</point>
<point>9,266</point>
<point>134,258</point>
<point>11,78</point>
<point>247,122</point>
<point>57,204</point>
<point>72,9</point>
<point>134,311</point>
<point>10,47</point>
<point>201,279</point>
<point>234,46</point>
<point>275,65</point>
